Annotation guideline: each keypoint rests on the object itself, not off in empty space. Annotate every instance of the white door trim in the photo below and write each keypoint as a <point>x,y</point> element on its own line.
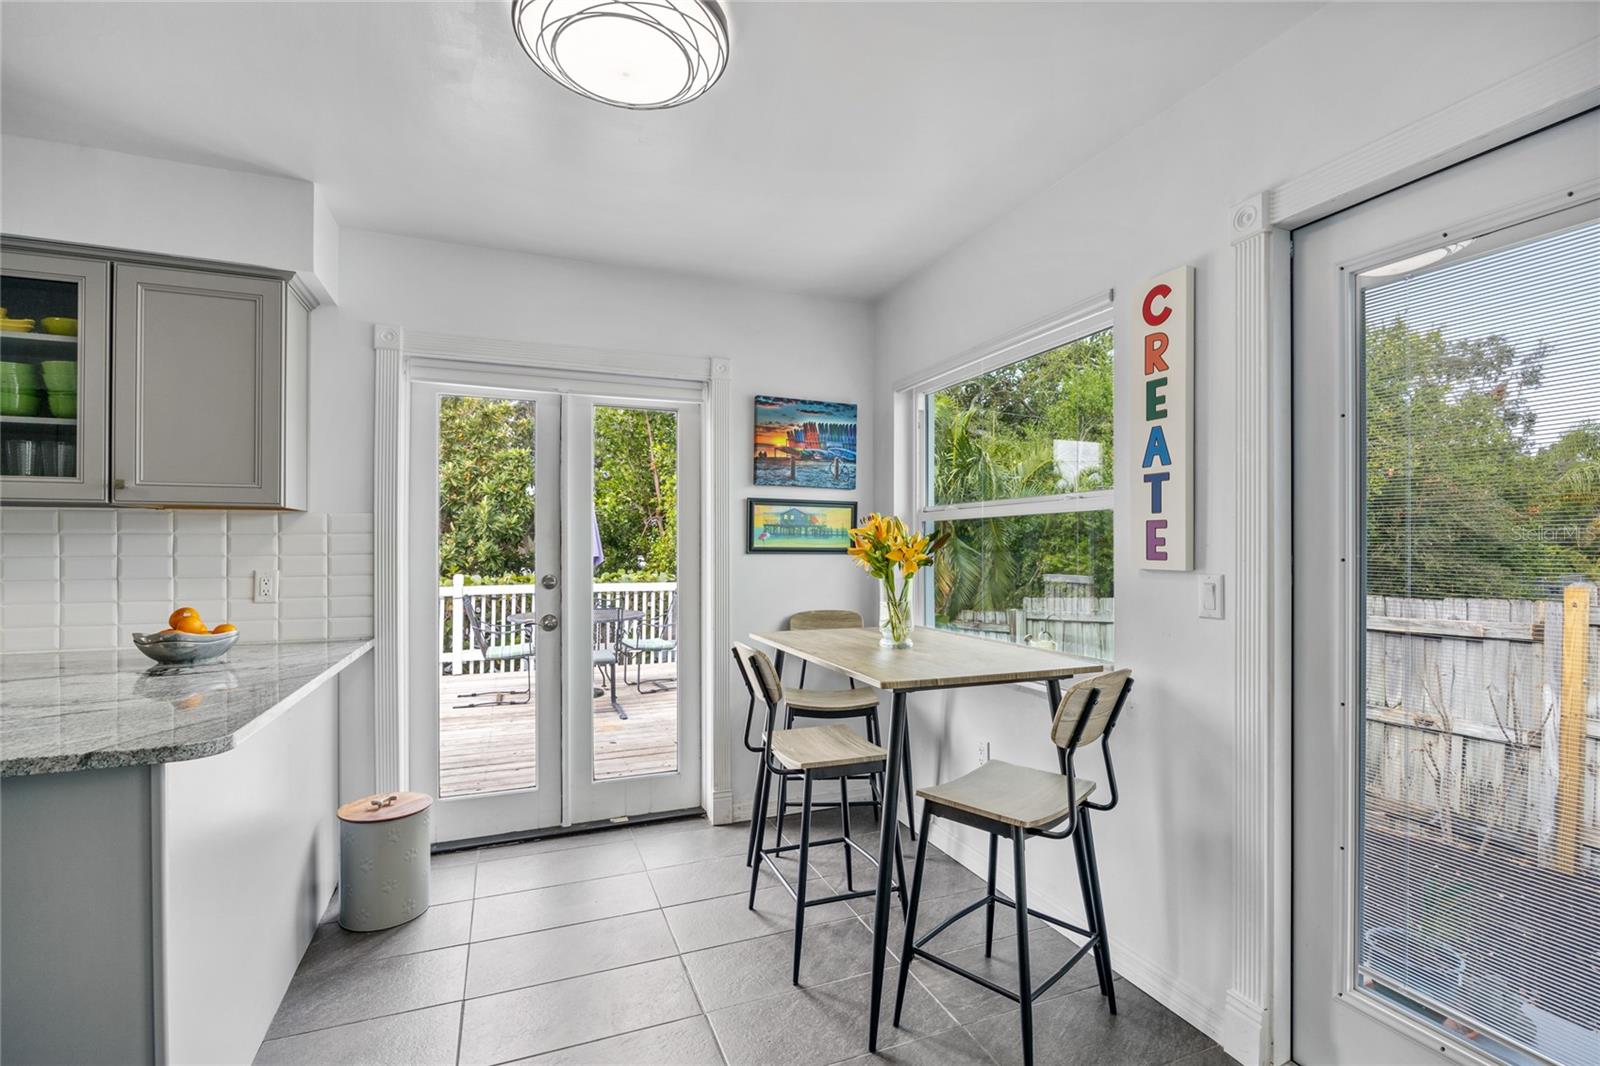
<point>395,350</point>
<point>1256,1016</point>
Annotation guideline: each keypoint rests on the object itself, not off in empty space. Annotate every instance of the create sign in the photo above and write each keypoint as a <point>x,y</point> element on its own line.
<point>1163,487</point>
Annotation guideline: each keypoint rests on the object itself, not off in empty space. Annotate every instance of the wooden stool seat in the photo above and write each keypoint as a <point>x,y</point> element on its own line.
<point>817,702</point>
<point>1012,795</point>
<point>824,747</point>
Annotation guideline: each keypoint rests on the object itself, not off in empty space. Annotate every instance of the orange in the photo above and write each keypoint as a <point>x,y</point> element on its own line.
<point>187,620</point>
<point>226,628</point>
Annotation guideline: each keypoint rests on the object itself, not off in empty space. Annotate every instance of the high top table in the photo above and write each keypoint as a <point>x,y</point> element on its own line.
<point>938,659</point>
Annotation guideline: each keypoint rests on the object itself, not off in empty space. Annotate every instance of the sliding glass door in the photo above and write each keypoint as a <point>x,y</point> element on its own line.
<point>1447,628</point>
<point>554,606</point>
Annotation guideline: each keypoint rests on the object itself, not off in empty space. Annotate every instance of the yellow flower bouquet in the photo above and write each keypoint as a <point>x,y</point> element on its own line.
<point>884,548</point>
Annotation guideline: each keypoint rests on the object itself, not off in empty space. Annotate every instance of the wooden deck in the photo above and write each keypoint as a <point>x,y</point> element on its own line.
<point>492,748</point>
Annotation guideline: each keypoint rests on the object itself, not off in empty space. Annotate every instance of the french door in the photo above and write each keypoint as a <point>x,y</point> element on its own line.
<point>1446,417</point>
<point>554,601</point>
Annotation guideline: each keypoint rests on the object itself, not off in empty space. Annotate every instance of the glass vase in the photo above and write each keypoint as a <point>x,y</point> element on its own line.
<point>894,615</point>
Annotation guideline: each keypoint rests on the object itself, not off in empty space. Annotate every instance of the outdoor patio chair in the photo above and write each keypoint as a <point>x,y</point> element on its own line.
<point>521,651</point>
<point>635,648</point>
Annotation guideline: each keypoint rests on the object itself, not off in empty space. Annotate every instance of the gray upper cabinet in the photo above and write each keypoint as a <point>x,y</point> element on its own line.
<point>53,367</point>
<point>208,389</point>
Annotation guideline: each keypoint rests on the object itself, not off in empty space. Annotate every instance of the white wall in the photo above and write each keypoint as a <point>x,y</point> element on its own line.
<point>811,347</point>
<point>1159,198</point>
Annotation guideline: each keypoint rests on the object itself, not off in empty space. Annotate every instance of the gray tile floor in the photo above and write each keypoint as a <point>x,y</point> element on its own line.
<point>635,945</point>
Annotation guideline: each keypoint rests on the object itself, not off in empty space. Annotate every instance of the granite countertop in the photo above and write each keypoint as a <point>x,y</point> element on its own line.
<point>89,710</point>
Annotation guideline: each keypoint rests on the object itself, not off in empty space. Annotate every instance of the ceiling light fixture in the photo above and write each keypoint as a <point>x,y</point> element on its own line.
<point>638,54</point>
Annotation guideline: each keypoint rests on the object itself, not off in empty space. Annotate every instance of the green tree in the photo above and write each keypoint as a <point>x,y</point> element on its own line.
<point>486,503</point>
<point>636,493</point>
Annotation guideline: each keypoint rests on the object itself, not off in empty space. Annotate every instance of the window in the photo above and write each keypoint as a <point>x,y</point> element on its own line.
<point>1479,843</point>
<point>1016,462</point>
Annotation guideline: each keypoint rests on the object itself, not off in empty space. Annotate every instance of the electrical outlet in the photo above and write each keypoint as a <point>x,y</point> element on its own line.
<point>983,752</point>
<point>1210,595</point>
<point>266,586</point>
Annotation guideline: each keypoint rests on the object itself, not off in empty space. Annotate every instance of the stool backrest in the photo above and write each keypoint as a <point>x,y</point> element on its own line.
<point>1090,708</point>
<point>474,625</point>
<point>825,620</point>
<point>759,674</point>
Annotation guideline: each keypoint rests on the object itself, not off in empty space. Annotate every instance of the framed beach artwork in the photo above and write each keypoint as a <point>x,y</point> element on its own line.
<point>778,526</point>
<point>808,444</point>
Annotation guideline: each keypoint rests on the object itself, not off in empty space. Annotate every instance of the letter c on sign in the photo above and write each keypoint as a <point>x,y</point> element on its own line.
<point>1157,292</point>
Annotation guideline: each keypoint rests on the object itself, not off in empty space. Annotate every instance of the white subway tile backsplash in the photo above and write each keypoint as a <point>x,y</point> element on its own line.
<point>302,628</point>
<point>350,606</point>
<point>45,639</point>
<point>309,608</point>
<point>88,521</point>
<point>252,522</point>
<point>302,565</point>
<point>13,592</point>
<point>15,544</point>
<point>89,590</point>
<point>75,638</point>
<point>27,520</point>
<point>189,589</point>
<point>297,587</point>
<point>29,568</point>
<point>303,544</point>
<point>85,566</point>
<point>144,543</point>
<point>91,578</point>
<point>200,566</point>
<point>350,544</point>
<point>145,566</point>
<point>350,585</point>
<point>349,564</point>
<point>252,544</point>
<point>23,615</point>
<point>99,545</point>
<point>243,566</point>
<point>144,521</point>
<point>89,614</point>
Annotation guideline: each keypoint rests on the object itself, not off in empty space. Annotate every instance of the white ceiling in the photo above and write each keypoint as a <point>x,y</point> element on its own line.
<point>846,146</point>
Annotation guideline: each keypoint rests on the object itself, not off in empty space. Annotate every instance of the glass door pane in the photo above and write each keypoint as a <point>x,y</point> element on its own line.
<point>488,706</point>
<point>47,371</point>
<point>1478,890</point>
<point>634,539</point>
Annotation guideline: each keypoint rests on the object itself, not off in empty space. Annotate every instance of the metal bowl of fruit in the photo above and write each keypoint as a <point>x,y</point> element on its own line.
<point>186,641</point>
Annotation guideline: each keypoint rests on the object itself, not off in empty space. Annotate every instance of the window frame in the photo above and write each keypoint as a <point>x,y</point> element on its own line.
<point>1085,319</point>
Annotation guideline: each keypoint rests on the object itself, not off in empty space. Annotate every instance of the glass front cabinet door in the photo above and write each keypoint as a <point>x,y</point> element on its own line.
<point>54,333</point>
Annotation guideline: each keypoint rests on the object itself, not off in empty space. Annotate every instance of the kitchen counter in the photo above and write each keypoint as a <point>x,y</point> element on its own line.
<point>91,710</point>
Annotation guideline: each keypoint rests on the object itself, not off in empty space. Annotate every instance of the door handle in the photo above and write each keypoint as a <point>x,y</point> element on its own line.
<point>548,581</point>
<point>549,622</point>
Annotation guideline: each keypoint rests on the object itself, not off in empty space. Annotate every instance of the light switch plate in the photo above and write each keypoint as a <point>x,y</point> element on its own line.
<point>1210,595</point>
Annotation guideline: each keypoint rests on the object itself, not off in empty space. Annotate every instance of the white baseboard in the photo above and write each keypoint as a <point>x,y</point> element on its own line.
<point>1159,983</point>
<point>722,810</point>
<point>1246,1032</point>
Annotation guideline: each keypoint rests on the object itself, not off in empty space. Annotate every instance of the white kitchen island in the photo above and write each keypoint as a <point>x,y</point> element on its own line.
<point>167,844</point>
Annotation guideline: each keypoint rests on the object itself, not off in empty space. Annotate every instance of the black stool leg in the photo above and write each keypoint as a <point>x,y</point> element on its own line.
<point>1103,952</point>
<point>758,810</point>
<point>905,776</point>
<point>783,787</point>
<point>801,876</point>
<point>761,835</point>
<point>911,915</point>
<point>988,918</point>
<point>844,820</point>
<point>876,779</point>
<point>1091,916</point>
<point>1019,840</point>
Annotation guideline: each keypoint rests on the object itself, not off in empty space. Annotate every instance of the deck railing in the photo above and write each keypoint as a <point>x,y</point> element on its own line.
<point>495,604</point>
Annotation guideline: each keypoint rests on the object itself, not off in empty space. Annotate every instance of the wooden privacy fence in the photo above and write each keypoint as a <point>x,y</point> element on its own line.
<point>1066,618</point>
<point>1483,719</point>
<point>495,604</point>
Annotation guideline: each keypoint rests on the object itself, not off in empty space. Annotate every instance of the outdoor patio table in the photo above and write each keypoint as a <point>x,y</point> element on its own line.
<point>603,616</point>
<point>938,659</point>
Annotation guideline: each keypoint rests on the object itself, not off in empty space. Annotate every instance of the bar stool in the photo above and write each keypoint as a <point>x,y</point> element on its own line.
<point>801,704</point>
<point>1018,801</point>
<point>812,753</point>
